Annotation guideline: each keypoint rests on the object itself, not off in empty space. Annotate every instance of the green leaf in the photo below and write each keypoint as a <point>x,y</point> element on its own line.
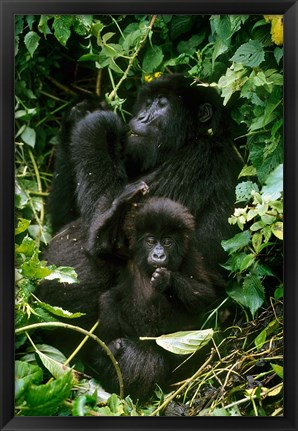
<point>51,352</point>
<point>251,294</point>
<point>26,247</point>
<point>34,269</point>
<point>79,407</point>
<point>31,41</point>
<point>44,400</point>
<point>190,46</point>
<point>152,59</point>
<point>262,270</point>
<point>274,184</point>
<point>115,404</point>
<point>60,312</point>
<point>82,24</point>
<point>88,57</point>
<point>264,165</point>
<point>224,29</point>
<point>261,339</point>
<point>57,369</point>
<point>29,136</point>
<point>26,374</point>
<point>247,171</point>
<point>257,226</point>
<point>220,47</point>
<point>231,82</point>
<point>40,232</point>
<point>183,342</point>
<point>234,262</point>
<point>247,262</point>
<point>43,24</point>
<point>278,369</point>
<point>238,241</point>
<point>61,26</point>
<point>277,230</point>
<point>257,241</point>
<point>254,293</point>
<point>249,54</point>
<point>278,54</point>
<point>252,214</point>
<point>279,293</point>
<point>19,24</point>
<point>244,191</point>
<point>107,36</point>
<point>22,225</point>
<point>132,39</point>
<point>64,274</point>
<point>180,25</point>
<point>268,219</point>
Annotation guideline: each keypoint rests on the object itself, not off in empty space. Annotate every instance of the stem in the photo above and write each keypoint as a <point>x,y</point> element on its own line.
<point>84,341</point>
<point>82,331</point>
<point>185,384</point>
<point>40,220</point>
<point>251,397</point>
<point>112,95</point>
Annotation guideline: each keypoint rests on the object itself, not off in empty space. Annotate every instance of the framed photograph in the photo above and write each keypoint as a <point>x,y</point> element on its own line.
<point>148,156</point>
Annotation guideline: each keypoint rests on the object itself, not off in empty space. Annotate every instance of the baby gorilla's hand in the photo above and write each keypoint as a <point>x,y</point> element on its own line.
<point>161,279</point>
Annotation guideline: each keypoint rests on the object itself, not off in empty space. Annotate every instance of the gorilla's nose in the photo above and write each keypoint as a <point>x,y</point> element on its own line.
<point>159,255</point>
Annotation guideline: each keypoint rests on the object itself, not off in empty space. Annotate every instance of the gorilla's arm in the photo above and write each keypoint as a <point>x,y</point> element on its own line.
<point>105,235</point>
<point>95,150</point>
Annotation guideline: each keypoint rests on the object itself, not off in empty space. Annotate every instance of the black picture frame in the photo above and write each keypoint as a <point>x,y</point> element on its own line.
<point>9,8</point>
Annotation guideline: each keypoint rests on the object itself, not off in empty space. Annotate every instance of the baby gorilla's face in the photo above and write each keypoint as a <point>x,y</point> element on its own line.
<point>159,250</point>
<point>154,251</point>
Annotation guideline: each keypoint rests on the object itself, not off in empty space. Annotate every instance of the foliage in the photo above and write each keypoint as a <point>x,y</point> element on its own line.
<point>183,342</point>
<point>59,57</point>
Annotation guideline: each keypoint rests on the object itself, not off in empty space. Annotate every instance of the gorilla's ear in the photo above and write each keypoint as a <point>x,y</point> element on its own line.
<point>205,112</point>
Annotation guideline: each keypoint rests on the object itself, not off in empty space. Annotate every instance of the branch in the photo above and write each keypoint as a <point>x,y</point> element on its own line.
<point>132,59</point>
<point>82,331</point>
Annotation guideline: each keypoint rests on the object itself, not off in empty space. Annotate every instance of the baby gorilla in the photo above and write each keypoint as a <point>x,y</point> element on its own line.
<point>163,288</point>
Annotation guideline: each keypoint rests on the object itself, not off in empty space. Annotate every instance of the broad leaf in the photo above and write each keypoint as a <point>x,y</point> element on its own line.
<point>277,230</point>
<point>57,369</point>
<point>274,183</point>
<point>29,136</point>
<point>249,54</point>
<point>153,58</point>
<point>31,41</point>
<point>237,242</point>
<point>60,312</point>
<point>44,400</point>
<point>26,374</point>
<point>251,294</point>
<point>61,25</point>
<point>244,191</point>
<point>183,342</point>
<point>64,274</point>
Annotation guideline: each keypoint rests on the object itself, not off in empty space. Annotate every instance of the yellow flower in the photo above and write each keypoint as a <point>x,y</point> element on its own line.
<point>277,35</point>
<point>148,78</point>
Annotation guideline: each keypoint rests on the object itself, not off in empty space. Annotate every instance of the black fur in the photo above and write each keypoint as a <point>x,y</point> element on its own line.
<point>149,296</point>
<point>179,145</point>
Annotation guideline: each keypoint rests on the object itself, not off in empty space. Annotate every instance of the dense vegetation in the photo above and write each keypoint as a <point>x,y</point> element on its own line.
<point>58,57</point>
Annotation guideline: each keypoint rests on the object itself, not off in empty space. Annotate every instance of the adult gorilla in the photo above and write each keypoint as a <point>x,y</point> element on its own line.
<point>179,144</point>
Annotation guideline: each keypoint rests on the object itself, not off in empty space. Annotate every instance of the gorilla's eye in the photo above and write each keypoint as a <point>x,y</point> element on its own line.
<point>162,101</point>
<point>167,242</point>
<point>150,240</point>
